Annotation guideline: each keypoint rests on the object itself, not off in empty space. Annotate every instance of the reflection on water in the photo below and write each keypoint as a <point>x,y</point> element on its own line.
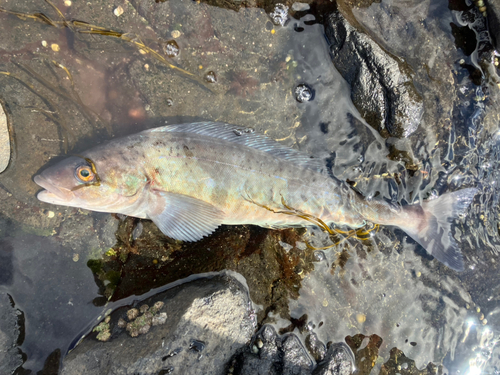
<point>181,61</point>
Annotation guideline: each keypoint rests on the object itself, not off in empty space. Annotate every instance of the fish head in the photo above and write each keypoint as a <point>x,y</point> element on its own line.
<point>81,182</point>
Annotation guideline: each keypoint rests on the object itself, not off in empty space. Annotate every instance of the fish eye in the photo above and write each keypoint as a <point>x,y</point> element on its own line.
<point>84,173</point>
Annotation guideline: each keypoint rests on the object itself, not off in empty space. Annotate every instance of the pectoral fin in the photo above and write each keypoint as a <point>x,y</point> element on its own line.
<point>182,217</point>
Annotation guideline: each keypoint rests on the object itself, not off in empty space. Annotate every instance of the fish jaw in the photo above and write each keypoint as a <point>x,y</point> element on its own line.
<point>53,194</point>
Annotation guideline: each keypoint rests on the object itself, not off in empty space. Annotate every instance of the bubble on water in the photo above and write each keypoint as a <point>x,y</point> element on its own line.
<point>171,48</point>
<point>238,131</point>
<point>303,93</point>
<point>279,15</point>
<point>249,130</point>
<point>210,77</point>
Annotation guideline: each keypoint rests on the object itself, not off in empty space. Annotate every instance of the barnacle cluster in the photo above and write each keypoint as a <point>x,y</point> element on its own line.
<point>141,320</point>
<point>103,329</point>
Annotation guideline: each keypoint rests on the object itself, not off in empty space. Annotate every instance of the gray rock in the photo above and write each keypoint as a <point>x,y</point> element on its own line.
<point>209,319</point>
<point>270,354</point>
<point>11,328</point>
<point>382,89</point>
<point>277,355</point>
<point>4,140</point>
<point>338,361</point>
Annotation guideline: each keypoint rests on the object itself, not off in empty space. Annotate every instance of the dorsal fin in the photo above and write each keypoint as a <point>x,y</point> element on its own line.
<point>246,137</point>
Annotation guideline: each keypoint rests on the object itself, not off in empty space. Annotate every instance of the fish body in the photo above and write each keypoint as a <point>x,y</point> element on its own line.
<point>189,179</point>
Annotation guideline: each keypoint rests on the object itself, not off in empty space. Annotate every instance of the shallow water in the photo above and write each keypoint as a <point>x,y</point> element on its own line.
<point>387,286</point>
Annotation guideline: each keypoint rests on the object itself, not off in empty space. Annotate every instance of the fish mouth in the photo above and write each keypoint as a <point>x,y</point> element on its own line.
<point>52,193</point>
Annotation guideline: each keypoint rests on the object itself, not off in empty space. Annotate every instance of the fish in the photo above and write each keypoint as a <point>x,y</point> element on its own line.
<point>191,178</point>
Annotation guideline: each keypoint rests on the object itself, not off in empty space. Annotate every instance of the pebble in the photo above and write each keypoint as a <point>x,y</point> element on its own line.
<point>210,77</point>
<point>361,318</point>
<point>175,34</point>
<point>279,16</point>
<point>4,140</point>
<point>55,47</point>
<point>118,11</point>
<point>303,93</point>
<point>300,7</point>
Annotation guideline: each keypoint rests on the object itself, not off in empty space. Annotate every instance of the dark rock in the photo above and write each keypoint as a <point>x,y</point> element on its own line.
<point>315,347</point>
<point>285,355</point>
<point>213,312</point>
<point>382,88</point>
<point>11,335</point>
<point>338,361</point>
<point>295,358</point>
<point>493,14</point>
<point>273,354</point>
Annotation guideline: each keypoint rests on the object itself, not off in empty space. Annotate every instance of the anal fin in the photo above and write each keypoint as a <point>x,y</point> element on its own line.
<point>182,217</point>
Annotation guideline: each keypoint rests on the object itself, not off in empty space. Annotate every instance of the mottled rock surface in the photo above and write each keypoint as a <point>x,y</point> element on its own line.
<point>382,88</point>
<point>338,361</point>
<point>11,327</point>
<point>209,319</point>
<point>272,354</point>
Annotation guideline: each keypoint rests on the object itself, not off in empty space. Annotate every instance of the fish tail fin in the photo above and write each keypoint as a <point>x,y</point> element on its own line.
<point>432,227</point>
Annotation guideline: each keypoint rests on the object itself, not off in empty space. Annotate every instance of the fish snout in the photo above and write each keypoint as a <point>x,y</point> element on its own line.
<point>52,193</point>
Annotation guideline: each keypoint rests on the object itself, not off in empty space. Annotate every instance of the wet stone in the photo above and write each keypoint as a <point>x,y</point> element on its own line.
<point>11,321</point>
<point>279,15</point>
<point>303,93</point>
<point>4,140</point>
<point>338,361</point>
<point>315,347</point>
<point>217,330</point>
<point>210,77</point>
<point>171,48</point>
<point>270,352</point>
<point>382,88</point>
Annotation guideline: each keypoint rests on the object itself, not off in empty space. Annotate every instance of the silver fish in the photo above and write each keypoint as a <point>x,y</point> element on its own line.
<point>191,178</point>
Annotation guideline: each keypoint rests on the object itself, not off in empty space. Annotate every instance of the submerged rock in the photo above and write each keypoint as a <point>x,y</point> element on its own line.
<point>338,361</point>
<point>270,353</point>
<point>382,88</point>
<point>11,335</point>
<point>207,321</point>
